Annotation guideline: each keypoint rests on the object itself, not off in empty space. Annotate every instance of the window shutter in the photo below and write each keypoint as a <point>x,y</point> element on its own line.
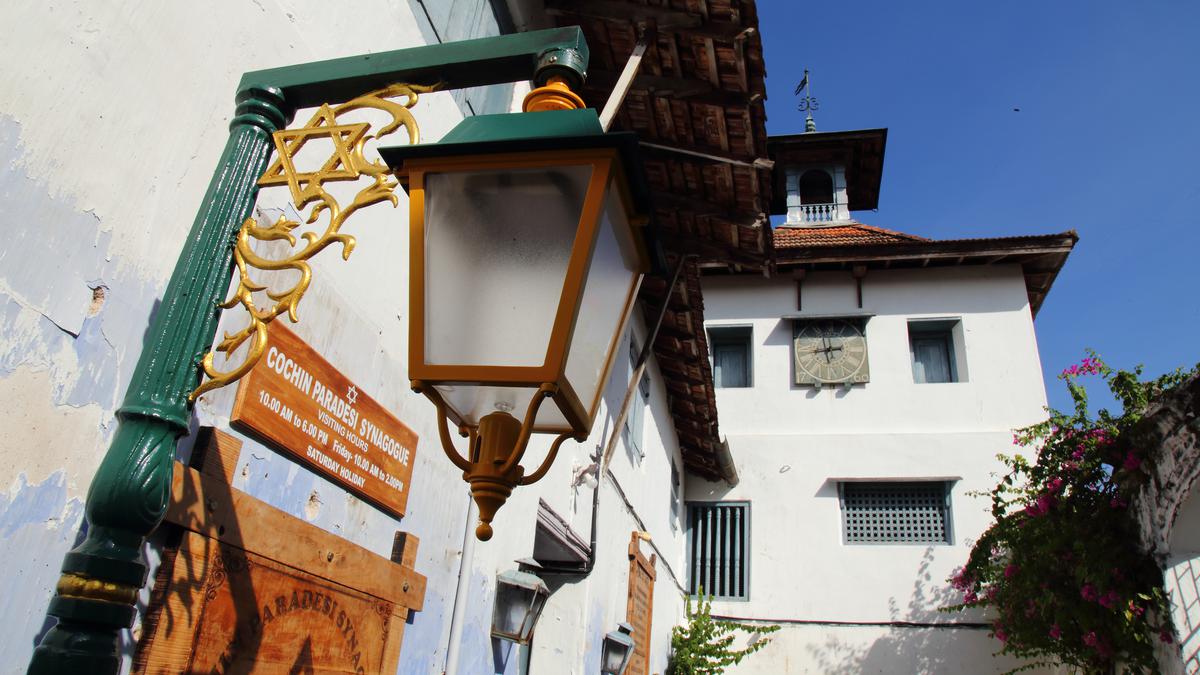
<point>896,513</point>
<point>717,548</point>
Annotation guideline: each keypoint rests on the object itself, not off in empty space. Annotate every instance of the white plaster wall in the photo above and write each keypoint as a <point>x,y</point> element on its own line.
<point>793,444</point>
<point>879,650</point>
<point>1004,389</point>
<point>112,118</point>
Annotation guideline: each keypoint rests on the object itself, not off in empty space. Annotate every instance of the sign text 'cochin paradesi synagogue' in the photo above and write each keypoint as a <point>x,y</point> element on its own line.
<point>294,398</point>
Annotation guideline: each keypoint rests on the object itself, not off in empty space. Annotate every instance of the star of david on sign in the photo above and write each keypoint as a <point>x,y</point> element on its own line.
<point>306,186</point>
<point>352,395</point>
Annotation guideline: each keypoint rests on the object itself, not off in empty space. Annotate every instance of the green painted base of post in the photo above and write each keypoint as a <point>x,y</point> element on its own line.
<point>128,496</point>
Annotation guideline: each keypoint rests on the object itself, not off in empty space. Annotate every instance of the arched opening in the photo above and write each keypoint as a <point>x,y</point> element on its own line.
<point>816,187</point>
<point>1182,579</point>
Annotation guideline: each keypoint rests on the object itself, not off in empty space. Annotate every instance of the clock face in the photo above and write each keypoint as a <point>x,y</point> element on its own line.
<point>830,351</point>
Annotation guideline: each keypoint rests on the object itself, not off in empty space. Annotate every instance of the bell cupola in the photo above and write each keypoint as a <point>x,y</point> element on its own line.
<point>821,177</point>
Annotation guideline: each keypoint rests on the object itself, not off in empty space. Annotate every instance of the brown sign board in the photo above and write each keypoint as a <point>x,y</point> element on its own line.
<point>246,588</point>
<point>298,401</point>
<point>221,609</point>
<point>639,608</point>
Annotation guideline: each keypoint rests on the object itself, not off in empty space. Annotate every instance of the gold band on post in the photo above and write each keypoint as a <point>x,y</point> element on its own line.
<point>77,586</point>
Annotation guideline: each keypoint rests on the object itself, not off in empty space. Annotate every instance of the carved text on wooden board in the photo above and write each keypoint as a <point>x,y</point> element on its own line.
<point>304,405</point>
<point>229,611</point>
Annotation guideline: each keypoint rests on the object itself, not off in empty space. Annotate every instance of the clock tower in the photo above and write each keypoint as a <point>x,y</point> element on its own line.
<point>821,177</point>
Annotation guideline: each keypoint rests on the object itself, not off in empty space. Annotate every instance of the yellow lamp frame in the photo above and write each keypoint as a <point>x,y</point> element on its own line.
<point>498,443</point>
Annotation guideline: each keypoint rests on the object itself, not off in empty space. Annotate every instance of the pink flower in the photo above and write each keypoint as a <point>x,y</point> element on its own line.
<point>1088,592</point>
<point>970,597</point>
<point>1077,455</point>
<point>1132,462</point>
<point>1109,599</point>
<point>1165,636</point>
<point>1010,570</point>
<point>961,581</point>
<point>1001,635</point>
<point>1055,484</point>
<point>1090,639</point>
<point>1055,632</point>
<point>1136,609</point>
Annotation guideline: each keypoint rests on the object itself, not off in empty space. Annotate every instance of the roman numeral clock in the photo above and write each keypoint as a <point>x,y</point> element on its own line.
<point>830,351</point>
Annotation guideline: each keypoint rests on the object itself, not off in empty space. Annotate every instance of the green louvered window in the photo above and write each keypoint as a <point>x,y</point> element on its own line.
<point>718,549</point>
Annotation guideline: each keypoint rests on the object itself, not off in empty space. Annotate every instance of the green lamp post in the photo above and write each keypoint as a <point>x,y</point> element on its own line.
<point>101,577</point>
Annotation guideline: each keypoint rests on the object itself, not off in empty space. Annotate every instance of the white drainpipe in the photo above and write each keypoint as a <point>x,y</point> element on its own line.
<point>462,591</point>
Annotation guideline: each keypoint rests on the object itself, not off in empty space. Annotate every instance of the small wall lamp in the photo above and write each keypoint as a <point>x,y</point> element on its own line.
<point>617,651</point>
<point>520,598</point>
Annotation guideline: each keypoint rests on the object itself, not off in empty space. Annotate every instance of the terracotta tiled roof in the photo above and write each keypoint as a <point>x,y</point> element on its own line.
<point>853,234</point>
<point>843,246</point>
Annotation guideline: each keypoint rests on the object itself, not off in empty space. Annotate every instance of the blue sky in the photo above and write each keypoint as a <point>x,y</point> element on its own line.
<point>1107,142</point>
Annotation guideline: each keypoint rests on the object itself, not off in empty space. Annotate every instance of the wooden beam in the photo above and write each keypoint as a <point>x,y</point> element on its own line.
<point>207,506</point>
<point>621,88</point>
<point>712,155</point>
<point>614,10</point>
<point>710,53</point>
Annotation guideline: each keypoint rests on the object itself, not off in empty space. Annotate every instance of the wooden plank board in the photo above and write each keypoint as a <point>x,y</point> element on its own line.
<point>639,608</point>
<point>205,505</point>
<point>216,453</point>
<point>299,402</point>
<point>220,609</point>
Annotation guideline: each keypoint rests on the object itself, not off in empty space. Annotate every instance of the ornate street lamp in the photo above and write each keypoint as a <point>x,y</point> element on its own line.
<point>520,598</point>
<point>95,599</point>
<point>528,244</point>
<point>617,650</point>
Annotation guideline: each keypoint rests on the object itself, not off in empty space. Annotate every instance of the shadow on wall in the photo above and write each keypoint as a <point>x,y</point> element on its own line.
<point>910,647</point>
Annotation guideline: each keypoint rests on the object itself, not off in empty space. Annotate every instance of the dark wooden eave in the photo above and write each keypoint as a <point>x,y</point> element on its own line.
<point>697,107</point>
<point>1040,257</point>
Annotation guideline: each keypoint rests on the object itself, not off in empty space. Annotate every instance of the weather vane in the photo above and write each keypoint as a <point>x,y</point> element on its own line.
<point>808,103</point>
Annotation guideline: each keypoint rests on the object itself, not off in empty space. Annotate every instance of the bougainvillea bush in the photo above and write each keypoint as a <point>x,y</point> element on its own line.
<point>1059,570</point>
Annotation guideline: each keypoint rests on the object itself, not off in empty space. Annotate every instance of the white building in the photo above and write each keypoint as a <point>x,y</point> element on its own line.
<point>865,388</point>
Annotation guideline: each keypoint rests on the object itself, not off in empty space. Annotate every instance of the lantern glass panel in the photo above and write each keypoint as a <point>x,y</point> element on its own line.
<point>497,244</point>
<point>607,297</point>
<point>473,402</point>
<point>512,611</point>
<point>614,659</point>
<point>535,612</point>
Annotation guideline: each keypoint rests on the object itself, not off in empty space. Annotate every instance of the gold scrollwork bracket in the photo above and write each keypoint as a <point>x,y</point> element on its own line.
<point>346,163</point>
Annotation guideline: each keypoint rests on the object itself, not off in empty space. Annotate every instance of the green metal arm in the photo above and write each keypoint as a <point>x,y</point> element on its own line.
<point>456,65</point>
<point>128,497</point>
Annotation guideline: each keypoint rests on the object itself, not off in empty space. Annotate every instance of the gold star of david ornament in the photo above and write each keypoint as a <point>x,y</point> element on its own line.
<point>306,185</point>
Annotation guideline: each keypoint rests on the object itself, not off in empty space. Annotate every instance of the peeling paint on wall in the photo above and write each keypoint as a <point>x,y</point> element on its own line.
<point>33,517</point>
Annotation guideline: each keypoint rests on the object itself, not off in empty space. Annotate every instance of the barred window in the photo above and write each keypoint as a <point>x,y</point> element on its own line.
<point>718,548</point>
<point>895,512</point>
